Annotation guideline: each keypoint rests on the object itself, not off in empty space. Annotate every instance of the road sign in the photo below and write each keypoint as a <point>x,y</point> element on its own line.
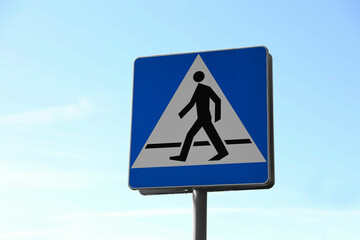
<point>202,120</point>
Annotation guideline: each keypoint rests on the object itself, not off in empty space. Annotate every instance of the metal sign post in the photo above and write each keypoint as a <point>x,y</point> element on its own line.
<point>200,208</point>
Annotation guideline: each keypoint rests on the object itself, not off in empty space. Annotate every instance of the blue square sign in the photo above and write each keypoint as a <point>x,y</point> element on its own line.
<point>202,120</point>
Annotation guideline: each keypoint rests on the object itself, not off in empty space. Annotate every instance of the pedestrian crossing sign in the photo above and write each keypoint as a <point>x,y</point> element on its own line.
<point>202,120</point>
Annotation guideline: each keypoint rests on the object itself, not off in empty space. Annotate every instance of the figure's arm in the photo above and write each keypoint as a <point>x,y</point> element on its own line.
<point>187,108</point>
<point>217,102</point>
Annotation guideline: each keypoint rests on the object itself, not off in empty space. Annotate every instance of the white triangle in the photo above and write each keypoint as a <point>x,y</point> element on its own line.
<point>171,129</point>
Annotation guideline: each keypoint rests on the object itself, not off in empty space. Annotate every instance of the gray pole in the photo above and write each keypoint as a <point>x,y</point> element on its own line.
<point>200,208</point>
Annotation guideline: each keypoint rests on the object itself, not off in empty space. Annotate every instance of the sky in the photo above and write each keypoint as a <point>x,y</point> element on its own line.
<point>66,78</point>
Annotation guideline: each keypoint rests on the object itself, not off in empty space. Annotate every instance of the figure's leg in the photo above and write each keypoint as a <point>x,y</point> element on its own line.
<point>187,143</point>
<point>216,141</point>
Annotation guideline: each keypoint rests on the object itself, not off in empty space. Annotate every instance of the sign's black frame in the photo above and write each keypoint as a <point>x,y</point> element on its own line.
<point>271,168</point>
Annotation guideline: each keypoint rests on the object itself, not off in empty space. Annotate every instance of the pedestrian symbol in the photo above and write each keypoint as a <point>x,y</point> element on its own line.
<point>198,127</point>
<point>201,99</point>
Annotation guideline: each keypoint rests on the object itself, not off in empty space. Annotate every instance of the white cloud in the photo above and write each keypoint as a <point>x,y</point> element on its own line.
<point>35,234</point>
<point>23,234</point>
<point>36,177</point>
<point>72,155</point>
<point>146,213</point>
<point>48,115</point>
<point>284,211</point>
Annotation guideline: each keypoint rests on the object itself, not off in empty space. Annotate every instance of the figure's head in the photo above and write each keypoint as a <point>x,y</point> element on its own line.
<point>198,76</point>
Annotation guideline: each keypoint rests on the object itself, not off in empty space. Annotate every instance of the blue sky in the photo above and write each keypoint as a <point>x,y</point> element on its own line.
<point>65,109</point>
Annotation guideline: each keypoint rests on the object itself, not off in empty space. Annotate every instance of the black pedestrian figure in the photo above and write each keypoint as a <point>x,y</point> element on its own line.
<point>201,98</point>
